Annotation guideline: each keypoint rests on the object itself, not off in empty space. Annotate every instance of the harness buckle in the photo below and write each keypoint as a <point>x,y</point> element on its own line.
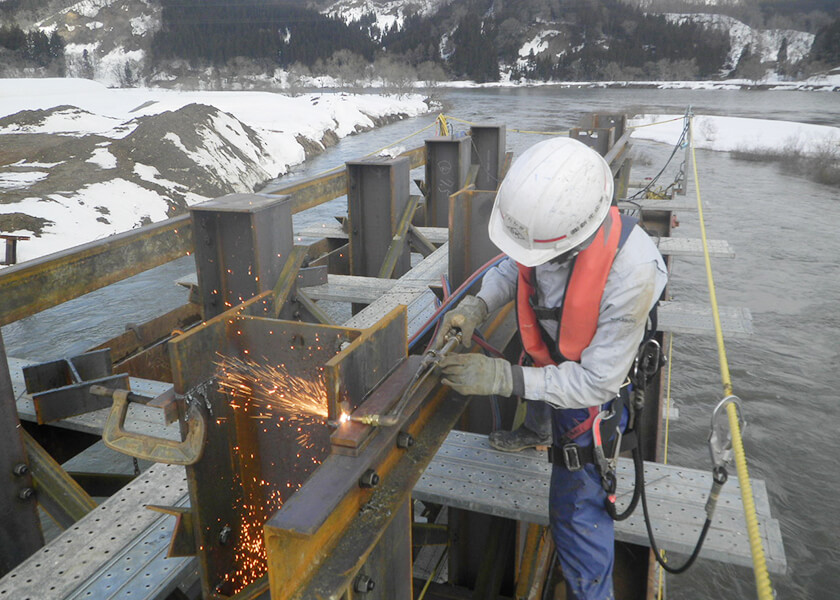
<point>571,457</point>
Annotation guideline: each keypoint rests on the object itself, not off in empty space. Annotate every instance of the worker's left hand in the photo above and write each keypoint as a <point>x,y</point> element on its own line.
<point>477,375</point>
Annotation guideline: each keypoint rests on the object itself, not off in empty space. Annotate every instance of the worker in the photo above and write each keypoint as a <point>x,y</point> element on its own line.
<point>584,279</point>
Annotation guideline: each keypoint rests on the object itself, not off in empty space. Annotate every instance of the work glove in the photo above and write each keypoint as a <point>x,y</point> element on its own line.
<point>477,375</point>
<point>469,314</point>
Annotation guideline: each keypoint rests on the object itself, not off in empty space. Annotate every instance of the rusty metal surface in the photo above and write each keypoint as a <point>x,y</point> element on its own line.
<point>61,497</point>
<point>242,242</point>
<point>469,243</point>
<point>61,388</point>
<point>316,548</point>
<point>38,284</point>
<point>20,530</point>
<point>377,195</point>
<point>254,458</point>
<point>600,139</point>
<point>353,373</point>
<point>488,151</point>
<point>141,350</point>
<point>447,163</point>
<point>352,435</point>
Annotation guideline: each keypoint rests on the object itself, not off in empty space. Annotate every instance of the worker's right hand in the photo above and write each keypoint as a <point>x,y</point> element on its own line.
<point>469,314</point>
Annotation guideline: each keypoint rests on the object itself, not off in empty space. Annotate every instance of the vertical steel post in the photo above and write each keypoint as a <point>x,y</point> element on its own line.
<point>447,164</point>
<point>469,243</point>
<point>20,528</point>
<point>241,244</point>
<point>599,139</point>
<point>488,152</point>
<point>377,194</point>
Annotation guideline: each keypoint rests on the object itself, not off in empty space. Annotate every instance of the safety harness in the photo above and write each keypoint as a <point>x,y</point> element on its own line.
<point>577,321</point>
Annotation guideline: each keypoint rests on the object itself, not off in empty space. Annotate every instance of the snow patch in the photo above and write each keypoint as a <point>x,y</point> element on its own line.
<point>103,158</point>
<point>19,181</point>
<point>539,44</point>
<point>764,43</point>
<point>142,24</point>
<point>727,134</point>
<point>94,212</point>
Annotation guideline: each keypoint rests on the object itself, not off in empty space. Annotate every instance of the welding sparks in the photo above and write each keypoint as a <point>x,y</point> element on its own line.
<point>297,404</point>
<point>272,388</point>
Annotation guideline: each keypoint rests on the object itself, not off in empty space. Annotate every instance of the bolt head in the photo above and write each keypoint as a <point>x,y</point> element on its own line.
<point>363,584</point>
<point>20,469</point>
<point>369,479</point>
<point>404,440</point>
<point>26,493</point>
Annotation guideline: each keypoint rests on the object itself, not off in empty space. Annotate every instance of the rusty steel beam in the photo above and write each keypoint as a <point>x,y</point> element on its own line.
<point>334,528</point>
<point>20,529</point>
<point>253,458</point>
<point>38,284</point>
<point>317,190</point>
<point>61,497</point>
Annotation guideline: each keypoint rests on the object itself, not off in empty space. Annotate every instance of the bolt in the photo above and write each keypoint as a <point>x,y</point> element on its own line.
<point>404,440</point>
<point>369,479</point>
<point>20,469</point>
<point>26,493</point>
<point>224,535</point>
<point>363,584</point>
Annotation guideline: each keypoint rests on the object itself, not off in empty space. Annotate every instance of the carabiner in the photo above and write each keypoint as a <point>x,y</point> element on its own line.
<point>720,437</point>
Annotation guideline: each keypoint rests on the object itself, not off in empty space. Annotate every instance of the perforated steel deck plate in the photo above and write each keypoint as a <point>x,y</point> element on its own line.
<point>686,317</point>
<point>117,551</point>
<point>671,246</point>
<point>467,473</point>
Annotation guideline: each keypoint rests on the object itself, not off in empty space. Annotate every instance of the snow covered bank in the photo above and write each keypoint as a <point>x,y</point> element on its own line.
<point>82,161</point>
<point>730,134</point>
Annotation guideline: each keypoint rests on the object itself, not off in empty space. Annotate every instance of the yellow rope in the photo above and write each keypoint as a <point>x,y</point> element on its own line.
<point>657,123</point>
<point>444,126</point>
<point>661,588</point>
<point>470,123</point>
<point>762,579</point>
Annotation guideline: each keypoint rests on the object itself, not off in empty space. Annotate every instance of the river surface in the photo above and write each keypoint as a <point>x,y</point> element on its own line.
<point>783,228</point>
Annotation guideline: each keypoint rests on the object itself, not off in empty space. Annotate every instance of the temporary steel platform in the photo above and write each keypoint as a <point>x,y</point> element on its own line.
<point>240,504</point>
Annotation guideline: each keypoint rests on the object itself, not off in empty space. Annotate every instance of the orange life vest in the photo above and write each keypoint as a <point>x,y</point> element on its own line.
<point>581,302</point>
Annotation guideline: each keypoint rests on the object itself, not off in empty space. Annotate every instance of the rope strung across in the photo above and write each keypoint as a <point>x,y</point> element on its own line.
<point>762,578</point>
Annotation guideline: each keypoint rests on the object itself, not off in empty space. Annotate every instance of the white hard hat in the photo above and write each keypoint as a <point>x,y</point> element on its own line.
<point>555,196</point>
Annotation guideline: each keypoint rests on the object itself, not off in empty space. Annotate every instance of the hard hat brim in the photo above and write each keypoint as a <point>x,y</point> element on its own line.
<point>527,257</point>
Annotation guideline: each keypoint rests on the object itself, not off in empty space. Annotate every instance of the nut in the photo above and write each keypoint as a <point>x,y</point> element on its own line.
<point>363,584</point>
<point>369,479</point>
<point>404,440</point>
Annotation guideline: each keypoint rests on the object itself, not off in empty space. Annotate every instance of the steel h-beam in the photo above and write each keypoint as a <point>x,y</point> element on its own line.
<point>241,243</point>
<point>377,195</point>
<point>469,242</point>
<point>488,153</point>
<point>447,166</point>
<point>20,529</point>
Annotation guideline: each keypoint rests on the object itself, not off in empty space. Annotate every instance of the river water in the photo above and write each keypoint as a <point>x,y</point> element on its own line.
<point>786,271</point>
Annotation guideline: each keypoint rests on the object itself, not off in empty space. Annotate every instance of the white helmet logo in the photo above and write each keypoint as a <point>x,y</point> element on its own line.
<point>517,230</point>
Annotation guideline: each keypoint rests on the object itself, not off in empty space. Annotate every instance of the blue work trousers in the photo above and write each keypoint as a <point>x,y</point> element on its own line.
<point>583,531</point>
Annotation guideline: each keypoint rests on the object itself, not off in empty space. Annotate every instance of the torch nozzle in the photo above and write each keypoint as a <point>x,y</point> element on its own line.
<point>376,420</point>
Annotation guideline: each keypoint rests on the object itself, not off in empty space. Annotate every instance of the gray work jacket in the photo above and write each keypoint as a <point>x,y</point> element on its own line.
<point>634,284</point>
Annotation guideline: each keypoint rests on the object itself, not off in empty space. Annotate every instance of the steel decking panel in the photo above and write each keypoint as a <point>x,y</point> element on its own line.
<point>685,317</point>
<point>118,550</point>
<point>467,473</point>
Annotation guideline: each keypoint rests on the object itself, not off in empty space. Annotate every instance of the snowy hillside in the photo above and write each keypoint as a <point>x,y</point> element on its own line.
<point>117,159</point>
<point>387,12</point>
<point>763,43</point>
<point>107,40</point>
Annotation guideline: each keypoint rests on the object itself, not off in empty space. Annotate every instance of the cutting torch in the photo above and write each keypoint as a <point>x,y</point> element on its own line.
<point>427,364</point>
